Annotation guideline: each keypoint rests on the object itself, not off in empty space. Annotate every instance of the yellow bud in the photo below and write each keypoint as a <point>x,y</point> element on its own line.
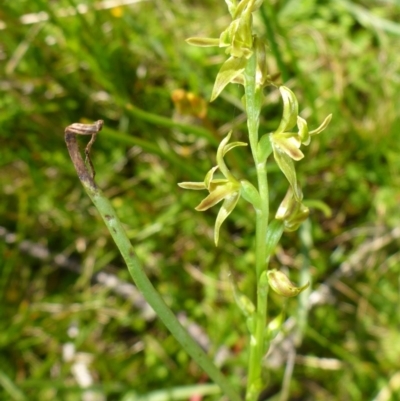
<point>280,283</point>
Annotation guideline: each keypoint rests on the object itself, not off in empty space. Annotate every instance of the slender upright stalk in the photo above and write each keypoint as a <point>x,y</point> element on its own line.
<point>257,347</point>
<point>118,234</point>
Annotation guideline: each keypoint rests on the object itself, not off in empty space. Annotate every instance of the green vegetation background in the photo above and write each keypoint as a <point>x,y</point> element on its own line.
<point>121,65</point>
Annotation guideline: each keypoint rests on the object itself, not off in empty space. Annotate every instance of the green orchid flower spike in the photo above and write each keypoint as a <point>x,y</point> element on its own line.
<point>246,64</point>
<point>286,144</point>
<point>227,188</point>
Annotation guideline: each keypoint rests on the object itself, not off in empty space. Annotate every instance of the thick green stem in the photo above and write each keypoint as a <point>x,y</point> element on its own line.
<point>257,341</point>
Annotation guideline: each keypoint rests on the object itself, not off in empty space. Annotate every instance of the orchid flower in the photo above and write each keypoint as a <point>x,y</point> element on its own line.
<point>227,188</point>
<point>286,144</point>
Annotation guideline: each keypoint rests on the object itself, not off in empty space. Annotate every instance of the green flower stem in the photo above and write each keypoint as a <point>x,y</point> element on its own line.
<point>135,269</point>
<point>257,342</point>
<point>151,295</point>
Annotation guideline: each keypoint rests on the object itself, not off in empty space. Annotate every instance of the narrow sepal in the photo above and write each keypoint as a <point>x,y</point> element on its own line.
<point>286,165</point>
<point>209,176</point>
<point>232,145</point>
<point>241,7</point>
<point>319,205</point>
<point>290,110</point>
<point>228,72</point>
<point>214,197</point>
<point>303,131</point>
<point>255,5</point>
<point>226,209</point>
<point>192,185</point>
<point>223,148</point>
<point>203,42</point>
<point>322,126</point>
<point>262,77</point>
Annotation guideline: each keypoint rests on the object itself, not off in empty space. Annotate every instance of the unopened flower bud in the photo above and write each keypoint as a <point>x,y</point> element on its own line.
<point>280,283</point>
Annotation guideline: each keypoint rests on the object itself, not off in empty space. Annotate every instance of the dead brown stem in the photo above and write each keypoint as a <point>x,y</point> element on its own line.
<point>70,138</point>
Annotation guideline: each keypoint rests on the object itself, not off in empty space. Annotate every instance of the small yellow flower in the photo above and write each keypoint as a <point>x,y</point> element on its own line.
<point>227,189</point>
<point>286,144</point>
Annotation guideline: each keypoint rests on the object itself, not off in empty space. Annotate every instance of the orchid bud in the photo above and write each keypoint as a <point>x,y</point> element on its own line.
<point>281,284</point>
<point>292,212</point>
